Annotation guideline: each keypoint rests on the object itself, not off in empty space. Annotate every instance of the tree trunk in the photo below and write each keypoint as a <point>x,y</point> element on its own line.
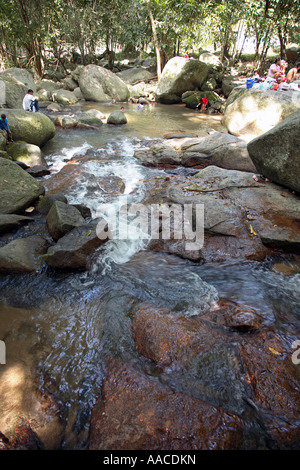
<point>155,40</point>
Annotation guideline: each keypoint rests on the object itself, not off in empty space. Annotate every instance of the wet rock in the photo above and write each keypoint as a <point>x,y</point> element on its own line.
<point>29,417</point>
<point>276,153</point>
<point>37,171</point>
<point>11,221</point>
<point>158,155</point>
<point>117,117</point>
<point>29,154</point>
<point>135,412</point>
<point>274,382</point>
<point>180,75</point>
<point>169,339</point>
<point>71,176</point>
<point>236,317</point>
<point>24,438</point>
<point>17,188</point>
<point>66,122</point>
<point>23,255</point>
<point>84,210</point>
<point>45,203</point>
<point>74,249</point>
<point>62,218</point>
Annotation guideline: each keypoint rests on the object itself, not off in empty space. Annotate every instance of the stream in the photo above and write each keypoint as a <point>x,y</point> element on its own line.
<point>61,326</point>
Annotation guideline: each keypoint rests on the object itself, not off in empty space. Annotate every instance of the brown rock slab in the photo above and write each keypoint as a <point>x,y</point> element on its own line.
<point>136,412</point>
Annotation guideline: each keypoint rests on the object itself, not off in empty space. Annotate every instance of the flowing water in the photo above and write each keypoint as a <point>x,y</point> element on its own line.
<point>61,326</point>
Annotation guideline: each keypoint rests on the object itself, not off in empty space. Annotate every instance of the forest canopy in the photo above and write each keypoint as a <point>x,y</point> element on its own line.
<point>39,33</point>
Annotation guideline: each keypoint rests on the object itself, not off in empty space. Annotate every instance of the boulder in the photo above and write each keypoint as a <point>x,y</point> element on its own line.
<point>3,139</point>
<point>15,83</point>
<point>99,84</point>
<point>62,218</point>
<point>23,255</point>
<point>219,149</point>
<point>33,128</point>
<point>158,155</point>
<point>276,154</point>
<point>78,93</point>
<point>209,85</point>
<point>192,98</point>
<point>138,74</point>
<point>11,221</point>
<point>66,122</point>
<point>48,85</point>
<point>88,119</point>
<point>69,83</point>
<point>46,202</point>
<point>73,250</point>
<point>229,83</point>
<point>178,76</point>
<point>210,59</point>
<point>54,108</point>
<point>64,97</point>
<point>37,171</point>
<point>17,188</point>
<point>117,117</point>
<point>28,154</point>
<point>257,111</point>
<point>95,113</point>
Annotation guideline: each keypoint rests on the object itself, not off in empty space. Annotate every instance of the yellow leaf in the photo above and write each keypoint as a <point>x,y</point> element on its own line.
<point>252,231</point>
<point>30,209</point>
<point>274,351</point>
<point>5,181</point>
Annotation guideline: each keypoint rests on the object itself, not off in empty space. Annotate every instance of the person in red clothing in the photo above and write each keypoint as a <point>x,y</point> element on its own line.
<point>202,104</point>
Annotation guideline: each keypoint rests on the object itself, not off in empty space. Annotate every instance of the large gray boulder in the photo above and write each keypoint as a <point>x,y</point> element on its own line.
<point>100,84</point>
<point>180,75</point>
<point>17,188</point>
<point>257,111</point>
<point>276,154</point>
<point>33,128</point>
<point>14,84</point>
<point>137,74</point>
<point>48,85</point>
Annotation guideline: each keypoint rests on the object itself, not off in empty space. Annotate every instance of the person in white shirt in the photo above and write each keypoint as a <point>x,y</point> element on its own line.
<point>30,103</point>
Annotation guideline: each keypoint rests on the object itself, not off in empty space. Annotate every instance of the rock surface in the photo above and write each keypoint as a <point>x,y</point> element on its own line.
<point>33,128</point>
<point>178,76</point>
<point>258,111</point>
<point>62,218</point>
<point>23,255</point>
<point>276,154</point>
<point>28,154</point>
<point>17,188</point>
<point>99,84</point>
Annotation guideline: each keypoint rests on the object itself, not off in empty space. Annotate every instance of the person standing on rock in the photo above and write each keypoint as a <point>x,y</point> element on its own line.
<point>5,127</point>
<point>30,103</point>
